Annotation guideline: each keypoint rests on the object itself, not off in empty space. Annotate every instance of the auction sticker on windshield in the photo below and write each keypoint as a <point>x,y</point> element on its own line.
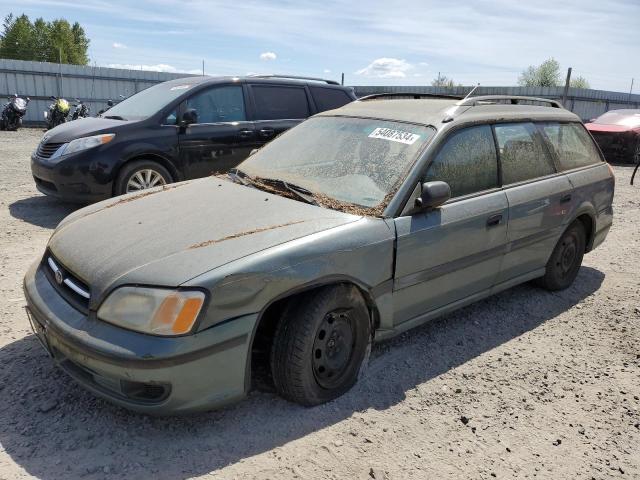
<point>394,135</point>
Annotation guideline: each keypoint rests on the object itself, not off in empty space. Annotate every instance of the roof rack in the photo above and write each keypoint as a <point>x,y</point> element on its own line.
<point>415,96</point>
<point>293,77</point>
<point>512,99</point>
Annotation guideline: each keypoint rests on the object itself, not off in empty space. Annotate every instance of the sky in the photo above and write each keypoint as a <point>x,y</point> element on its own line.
<point>375,42</point>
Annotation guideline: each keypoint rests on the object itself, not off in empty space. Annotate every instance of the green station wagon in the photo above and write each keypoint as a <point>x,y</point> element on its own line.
<point>356,225</point>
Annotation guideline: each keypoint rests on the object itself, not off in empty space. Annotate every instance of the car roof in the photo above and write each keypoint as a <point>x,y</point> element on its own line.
<point>267,79</point>
<point>439,111</point>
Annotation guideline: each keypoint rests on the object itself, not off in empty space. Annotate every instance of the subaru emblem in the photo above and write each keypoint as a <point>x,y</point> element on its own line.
<point>59,278</point>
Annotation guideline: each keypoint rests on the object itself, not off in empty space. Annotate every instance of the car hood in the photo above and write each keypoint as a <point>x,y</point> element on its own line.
<point>83,127</point>
<point>601,127</point>
<point>168,236</point>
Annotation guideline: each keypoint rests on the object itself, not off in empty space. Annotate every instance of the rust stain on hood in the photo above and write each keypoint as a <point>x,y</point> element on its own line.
<point>242,234</point>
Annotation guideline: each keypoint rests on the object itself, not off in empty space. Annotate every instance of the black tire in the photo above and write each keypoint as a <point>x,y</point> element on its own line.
<point>564,263</point>
<point>130,169</point>
<point>329,325</point>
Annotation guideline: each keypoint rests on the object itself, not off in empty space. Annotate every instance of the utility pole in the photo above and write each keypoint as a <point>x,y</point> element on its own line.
<point>631,89</point>
<point>566,88</point>
<point>60,89</point>
<point>203,68</point>
<point>342,81</point>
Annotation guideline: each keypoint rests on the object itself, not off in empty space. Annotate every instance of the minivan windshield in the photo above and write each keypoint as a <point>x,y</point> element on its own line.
<point>147,102</point>
<point>358,161</point>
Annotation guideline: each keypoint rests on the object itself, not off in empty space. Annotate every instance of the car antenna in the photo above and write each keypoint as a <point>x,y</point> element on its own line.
<point>471,91</point>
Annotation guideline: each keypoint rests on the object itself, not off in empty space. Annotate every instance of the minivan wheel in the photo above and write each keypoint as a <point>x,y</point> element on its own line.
<point>141,175</point>
<point>564,263</point>
<point>320,344</point>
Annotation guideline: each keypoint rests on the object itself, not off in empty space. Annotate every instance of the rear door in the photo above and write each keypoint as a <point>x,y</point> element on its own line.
<point>277,108</point>
<point>222,136</point>
<point>328,98</point>
<point>453,252</point>
<point>540,199</point>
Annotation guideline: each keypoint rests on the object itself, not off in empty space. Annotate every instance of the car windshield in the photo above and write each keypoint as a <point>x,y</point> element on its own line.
<point>625,118</point>
<point>357,161</point>
<point>147,102</point>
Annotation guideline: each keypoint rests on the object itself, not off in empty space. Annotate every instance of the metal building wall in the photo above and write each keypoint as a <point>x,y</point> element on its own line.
<point>94,85</point>
<point>586,103</point>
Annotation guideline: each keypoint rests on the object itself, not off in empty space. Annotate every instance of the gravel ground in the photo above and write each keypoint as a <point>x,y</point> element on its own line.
<point>524,384</point>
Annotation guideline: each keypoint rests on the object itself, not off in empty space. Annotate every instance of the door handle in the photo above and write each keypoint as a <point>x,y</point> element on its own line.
<point>566,198</point>
<point>266,132</point>
<point>494,220</point>
<point>245,133</point>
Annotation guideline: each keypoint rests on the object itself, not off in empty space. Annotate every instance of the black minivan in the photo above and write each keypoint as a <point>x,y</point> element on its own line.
<point>177,130</point>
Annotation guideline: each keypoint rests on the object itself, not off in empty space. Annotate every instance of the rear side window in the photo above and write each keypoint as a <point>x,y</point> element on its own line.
<point>522,153</point>
<point>572,144</point>
<point>329,98</point>
<point>279,102</point>
<point>467,162</point>
<point>219,104</point>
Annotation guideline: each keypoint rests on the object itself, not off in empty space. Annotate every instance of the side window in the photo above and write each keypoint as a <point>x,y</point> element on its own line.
<point>522,154</point>
<point>219,104</point>
<point>171,118</point>
<point>572,144</point>
<point>329,98</point>
<point>467,162</point>
<point>276,102</point>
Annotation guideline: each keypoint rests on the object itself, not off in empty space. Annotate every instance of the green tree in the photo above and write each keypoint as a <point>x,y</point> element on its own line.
<point>579,82</point>
<point>547,74</point>
<point>17,38</point>
<point>442,81</point>
<point>56,41</point>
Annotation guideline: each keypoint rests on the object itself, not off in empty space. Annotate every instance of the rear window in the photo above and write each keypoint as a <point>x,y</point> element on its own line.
<point>280,102</point>
<point>572,144</point>
<point>329,98</point>
<point>522,153</point>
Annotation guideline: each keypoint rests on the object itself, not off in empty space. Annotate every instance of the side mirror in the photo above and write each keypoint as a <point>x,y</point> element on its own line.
<point>433,195</point>
<point>189,116</point>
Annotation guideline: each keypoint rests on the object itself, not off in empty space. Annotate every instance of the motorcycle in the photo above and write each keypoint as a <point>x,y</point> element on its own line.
<point>12,113</point>
<point>81,110</point>
<point>57,113</point>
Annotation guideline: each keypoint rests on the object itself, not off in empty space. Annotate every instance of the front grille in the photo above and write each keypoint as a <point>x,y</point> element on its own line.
<point>46,150</point>
<point>72,289</point>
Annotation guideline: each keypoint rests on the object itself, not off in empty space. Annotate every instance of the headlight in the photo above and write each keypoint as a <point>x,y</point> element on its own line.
<point>85,143</point>
<point>152,310</point>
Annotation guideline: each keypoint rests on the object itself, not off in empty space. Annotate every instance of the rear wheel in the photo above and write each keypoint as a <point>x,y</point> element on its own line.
<point>141,175</point>
<point>320,345</point>
<point>564,263</point>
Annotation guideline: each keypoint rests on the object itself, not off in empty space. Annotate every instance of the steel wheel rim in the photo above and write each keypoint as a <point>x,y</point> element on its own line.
<point>333,349</point>
<point>144,179</point>
<point>568,255</point>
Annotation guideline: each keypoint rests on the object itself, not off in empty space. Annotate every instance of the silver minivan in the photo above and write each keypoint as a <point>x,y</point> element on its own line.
<point>354,226</point>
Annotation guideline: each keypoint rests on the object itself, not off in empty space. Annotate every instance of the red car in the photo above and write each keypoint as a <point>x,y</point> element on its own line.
<point>618,135</point>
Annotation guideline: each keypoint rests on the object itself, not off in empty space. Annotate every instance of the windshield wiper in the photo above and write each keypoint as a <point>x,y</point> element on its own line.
<point>300,192</point>
<point>245,179</point>
<point>114,117</point>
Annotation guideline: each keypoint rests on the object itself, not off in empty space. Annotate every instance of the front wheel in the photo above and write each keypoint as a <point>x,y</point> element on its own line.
<point>564,263</point>
<point>141,175</point>
<point>320,345</point>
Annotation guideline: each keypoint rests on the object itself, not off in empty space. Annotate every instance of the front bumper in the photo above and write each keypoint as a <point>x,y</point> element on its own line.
<point>75,179</point>
<point>154,375</point>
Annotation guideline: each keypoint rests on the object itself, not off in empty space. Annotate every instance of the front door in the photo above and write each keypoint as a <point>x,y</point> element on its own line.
<point>221,137</point>
<point>454,251</point>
